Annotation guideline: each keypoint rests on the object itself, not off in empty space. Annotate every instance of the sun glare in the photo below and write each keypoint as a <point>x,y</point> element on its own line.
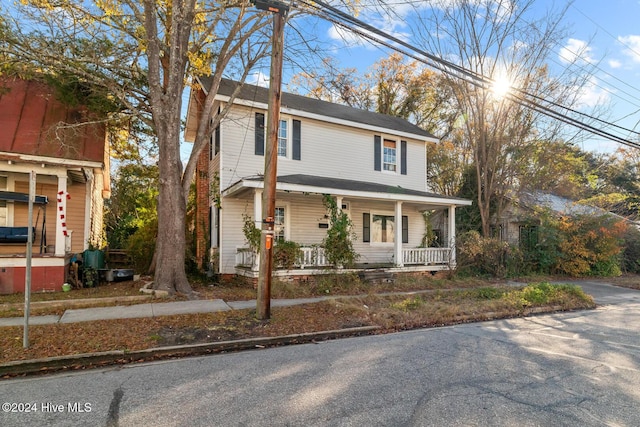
<point>501,86</point>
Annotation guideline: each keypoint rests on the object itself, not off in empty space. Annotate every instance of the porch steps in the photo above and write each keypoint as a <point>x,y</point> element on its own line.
<point>377,276</point>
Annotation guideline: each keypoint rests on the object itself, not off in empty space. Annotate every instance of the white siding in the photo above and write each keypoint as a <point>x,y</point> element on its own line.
<point>305,213</point>
<point>327,150</point>
<point>231,236</point>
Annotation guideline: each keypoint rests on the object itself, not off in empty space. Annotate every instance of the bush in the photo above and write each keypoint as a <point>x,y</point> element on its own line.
<point>141,246</point>
<point>481,255</point>
<point>286,254</point>
<point>630,262</point>
<point>590,245</point>
<point>338,244</point>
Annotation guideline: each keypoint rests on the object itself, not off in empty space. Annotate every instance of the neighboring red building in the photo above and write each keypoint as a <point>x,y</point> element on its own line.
<point>68,150</point>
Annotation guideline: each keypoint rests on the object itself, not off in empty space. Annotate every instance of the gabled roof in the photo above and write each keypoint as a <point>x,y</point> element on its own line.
<point>258,94</point>
<point>560,205</point>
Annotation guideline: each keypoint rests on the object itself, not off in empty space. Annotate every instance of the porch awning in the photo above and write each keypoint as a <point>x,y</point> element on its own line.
<point>22,197</point>
<point>346,188</point>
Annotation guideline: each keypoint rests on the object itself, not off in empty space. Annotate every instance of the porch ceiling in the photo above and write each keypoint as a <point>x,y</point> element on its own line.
<point>346,188</point>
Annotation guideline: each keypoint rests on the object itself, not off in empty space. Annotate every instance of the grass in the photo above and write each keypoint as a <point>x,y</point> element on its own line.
<point>433,302</point>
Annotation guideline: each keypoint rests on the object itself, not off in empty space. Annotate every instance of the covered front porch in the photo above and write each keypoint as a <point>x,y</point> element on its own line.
<point>393,227</point>
<point>312,260</point>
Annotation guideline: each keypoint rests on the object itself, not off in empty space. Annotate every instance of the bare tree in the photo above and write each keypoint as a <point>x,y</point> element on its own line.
<point>501,40</point>
<point>142,54</point>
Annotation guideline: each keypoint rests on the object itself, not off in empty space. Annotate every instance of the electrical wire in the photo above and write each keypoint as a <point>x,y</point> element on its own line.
<point>521,97</point>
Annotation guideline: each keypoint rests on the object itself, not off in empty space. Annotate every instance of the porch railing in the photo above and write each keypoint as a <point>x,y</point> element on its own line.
<point>315,257</point>
<point>309,257</point>
<point>246,257</point>
<point>426,256</point>
<point>312,257</point>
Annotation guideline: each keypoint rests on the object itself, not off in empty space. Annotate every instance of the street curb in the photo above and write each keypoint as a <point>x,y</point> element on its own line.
<point>119,357</point>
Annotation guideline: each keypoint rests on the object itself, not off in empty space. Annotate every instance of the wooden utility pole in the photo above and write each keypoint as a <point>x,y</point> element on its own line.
<point>263,309</point>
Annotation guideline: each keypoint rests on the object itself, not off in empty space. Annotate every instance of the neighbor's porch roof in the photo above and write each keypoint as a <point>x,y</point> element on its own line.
<point>346,188</point>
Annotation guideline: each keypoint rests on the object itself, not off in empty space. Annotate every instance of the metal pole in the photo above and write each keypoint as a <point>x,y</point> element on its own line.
<point>27,276</point>
<point>263,309</point>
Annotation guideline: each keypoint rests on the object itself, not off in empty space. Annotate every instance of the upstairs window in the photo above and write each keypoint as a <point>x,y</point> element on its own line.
<point>289,137</point>
<point>386,154</point>
<point>283,138</point>
<point>389,155</point>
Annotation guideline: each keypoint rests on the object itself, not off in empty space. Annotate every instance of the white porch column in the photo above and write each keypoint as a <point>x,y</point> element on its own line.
<point>60,237</point>
<point>257,219</point>
<point>452,233</point>
<point>339,203</point>
<point>257,208</point>
<point>397,241</point>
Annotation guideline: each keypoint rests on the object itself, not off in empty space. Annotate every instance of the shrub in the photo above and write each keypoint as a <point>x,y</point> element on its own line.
<point>252,234</point>
<point>630,262</point>
<point>142,244</point>
<point>286,254</point>
<point>481,255</point>
<point>338,244</point>
<point>590,245</point>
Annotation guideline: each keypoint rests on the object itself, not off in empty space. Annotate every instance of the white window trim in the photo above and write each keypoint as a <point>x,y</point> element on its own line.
<point>11,186</point>
<point>380,213</point>
<point>289,121</point>
<point>287,218</point>
<point>382,162</point>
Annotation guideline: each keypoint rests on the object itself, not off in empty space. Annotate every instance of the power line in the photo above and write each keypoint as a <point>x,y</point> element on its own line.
<point>340,18</point>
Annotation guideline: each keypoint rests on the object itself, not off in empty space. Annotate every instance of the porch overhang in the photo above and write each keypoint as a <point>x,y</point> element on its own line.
<point>345,188</point>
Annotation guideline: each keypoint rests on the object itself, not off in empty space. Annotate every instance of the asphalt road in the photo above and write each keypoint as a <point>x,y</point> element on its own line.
<point>567,369</point>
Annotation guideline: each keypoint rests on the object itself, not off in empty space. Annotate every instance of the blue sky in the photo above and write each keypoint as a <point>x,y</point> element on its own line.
<point>605,33</point>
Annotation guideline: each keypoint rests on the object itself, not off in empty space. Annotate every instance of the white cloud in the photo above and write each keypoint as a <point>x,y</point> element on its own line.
<point>348,38</point>
<point>591,94</point>
<point>632,44</point>
<point>389,25</point>
<point>576,51</point>
<point>614,63</point>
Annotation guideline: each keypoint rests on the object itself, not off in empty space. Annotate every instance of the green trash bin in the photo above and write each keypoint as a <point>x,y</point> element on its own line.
<point>93,259</point>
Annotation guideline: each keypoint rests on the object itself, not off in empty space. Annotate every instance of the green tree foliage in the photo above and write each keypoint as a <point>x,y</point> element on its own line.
<point>143,54</point>
<point>133,202</point>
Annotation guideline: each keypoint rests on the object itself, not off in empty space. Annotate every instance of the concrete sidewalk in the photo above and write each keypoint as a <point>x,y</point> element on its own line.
<point>150,310</point>
<point>603,293</point>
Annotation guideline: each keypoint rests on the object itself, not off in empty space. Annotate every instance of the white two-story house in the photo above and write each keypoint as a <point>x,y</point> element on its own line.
<point>373,165</point>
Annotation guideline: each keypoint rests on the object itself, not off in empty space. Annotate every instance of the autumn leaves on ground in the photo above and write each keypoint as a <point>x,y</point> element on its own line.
<point>435,302</point>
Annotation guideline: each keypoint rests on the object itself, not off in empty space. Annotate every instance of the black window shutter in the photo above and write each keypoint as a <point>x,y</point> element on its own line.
<point>217,147</point>
<point>296,154</point>
<point>377,153</point>
<point>366,227</point>
<point>405,229</point>
<point>259,144</point>
<point>403,157</point>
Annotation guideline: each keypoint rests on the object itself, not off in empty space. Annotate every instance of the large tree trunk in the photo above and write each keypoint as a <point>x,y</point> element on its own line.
<point>170,272</point>
<point>171,243</point>
<point>166,84</point>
